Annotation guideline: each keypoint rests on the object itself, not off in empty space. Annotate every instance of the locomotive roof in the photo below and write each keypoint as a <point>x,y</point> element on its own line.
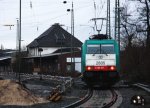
<point>98,37</point>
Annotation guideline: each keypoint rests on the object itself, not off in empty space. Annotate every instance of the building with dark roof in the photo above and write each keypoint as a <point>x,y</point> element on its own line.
<point>54,49</point>
<point>53,39</point>
<point>6,59</point>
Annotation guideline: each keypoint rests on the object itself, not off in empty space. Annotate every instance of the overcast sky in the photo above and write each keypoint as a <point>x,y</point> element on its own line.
<point>39,15</point>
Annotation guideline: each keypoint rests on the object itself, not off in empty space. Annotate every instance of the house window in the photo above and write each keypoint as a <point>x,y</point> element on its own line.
<point>68,67</point>
<point>58,67</point>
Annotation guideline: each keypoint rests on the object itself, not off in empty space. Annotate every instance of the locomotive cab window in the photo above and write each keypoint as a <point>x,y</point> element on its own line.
<point>100,49</point>
<point>91,49</point>
<point>108,49</point>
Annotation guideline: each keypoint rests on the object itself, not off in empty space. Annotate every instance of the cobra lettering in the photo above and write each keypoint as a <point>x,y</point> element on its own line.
<point>100,62</point>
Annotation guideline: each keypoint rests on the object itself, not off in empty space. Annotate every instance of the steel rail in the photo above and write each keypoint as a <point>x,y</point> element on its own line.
<point>113,100</point>
<point>80,102</point>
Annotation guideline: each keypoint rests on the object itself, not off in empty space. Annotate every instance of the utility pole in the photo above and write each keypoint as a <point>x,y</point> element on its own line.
<point>72,12</point>
<point>108,27</point>
<point>17,43</point>
<point>40,50</point>
<point>19,39</point>
<point>117,21</point>
<point>72,33</point>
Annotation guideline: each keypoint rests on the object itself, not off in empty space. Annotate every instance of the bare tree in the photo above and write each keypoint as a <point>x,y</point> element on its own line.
<point>129,27</point>
<point>135,36</point>
<point>144,16</point>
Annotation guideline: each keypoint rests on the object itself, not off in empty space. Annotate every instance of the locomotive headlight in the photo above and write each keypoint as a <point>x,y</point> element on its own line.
<point>112,68</point>
<point>88,68</point>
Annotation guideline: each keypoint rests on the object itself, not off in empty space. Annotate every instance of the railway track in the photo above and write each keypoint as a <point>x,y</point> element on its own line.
<point>96,99</point>
<point>82,101</point>
<point>119,95</point>
<point>113,99</point>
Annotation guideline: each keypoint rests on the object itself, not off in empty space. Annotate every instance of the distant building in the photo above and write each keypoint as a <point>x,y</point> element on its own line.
<point>6,59</point>
<point>52,49</point>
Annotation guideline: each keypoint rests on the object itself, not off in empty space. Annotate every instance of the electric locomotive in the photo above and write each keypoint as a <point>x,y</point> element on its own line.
<point>100,61</point>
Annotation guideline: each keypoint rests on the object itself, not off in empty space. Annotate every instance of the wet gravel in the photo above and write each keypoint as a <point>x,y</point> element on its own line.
<point>128,93</point>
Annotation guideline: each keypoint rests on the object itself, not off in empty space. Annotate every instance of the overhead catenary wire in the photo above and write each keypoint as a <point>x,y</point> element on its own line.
<point>35,18</point>
<point>30,23</point>
<point>97,14</point>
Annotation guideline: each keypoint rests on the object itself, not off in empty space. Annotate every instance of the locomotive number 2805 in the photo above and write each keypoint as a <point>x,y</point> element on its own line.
<point>100,63</point>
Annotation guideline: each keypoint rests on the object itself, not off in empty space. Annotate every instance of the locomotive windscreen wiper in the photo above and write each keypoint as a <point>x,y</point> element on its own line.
<point>95,52</point>
<point>104,52</point>
<point>100,53</point>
